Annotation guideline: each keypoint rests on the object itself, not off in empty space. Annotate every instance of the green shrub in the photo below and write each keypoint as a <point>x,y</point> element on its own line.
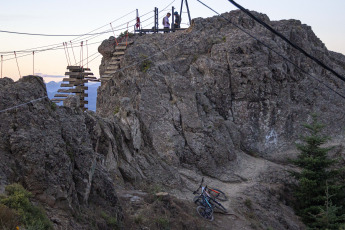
<point>145,64</point>
<point>124,34</point>
<point>163,223</point>
<point>53,106</point>
<point>111,221</point>
<point>116,110</point>
<point>18,200</point>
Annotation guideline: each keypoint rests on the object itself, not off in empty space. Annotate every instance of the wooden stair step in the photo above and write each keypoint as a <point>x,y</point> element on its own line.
<point>67,85</point>
<point>110,72</point>
<point>114,63</point>
<point>63,91</point>
<point>84,102</point>
<point>70,90</point>
<point>74,67</point>
<point>116,59</point>
<point>118,53</point>
<point>61,95</point>
<point>112,67</point>
<point>81,88</point>
<point>120,47</point>
<point>75,80</point>
<point>88,78</point>
<point>78,73</point>
<point>58,99</point>
<point>124,43</point>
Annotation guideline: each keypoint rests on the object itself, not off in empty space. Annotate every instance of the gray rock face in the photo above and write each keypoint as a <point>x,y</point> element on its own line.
<point>53,153</point>
<point>211,91</point>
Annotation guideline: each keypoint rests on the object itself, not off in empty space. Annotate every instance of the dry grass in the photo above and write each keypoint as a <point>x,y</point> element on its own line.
<point>9,219</point>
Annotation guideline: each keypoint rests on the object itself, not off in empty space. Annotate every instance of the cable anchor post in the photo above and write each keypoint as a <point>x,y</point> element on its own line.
<point>2,57</point>
<point>33,62</point>
<point>15,55</point>
<point>81,54</point>
<point>127,35</point>
<point>73,53</point>
<point>87,55</point>
<point>114,34</point>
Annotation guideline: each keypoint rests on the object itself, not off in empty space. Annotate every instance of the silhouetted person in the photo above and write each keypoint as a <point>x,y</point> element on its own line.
<point>177,20</point>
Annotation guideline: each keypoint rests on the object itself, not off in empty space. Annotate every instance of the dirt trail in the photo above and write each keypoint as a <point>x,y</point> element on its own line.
<point>251,170</point>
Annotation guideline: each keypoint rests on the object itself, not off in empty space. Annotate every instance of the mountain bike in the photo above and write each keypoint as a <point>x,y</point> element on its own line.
<point>205,196</point>
<point>205,207</point>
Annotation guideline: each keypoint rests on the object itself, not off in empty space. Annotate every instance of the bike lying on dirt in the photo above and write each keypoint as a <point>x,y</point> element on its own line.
<point>207,201</point>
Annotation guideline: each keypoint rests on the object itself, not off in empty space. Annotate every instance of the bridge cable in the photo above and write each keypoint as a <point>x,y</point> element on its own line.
<point>280,55</point>
<point>1,64</point>
<point>15,55</point>
<point>286,40</point>
<point>127,36</point>
<point>50,35</point>
<point>87,55</point>
<point>78,38</point>
<point>64,47</point>
<point>114,33</point>
<point>81,54</point>
<point>73,52</point>
<point>4,110</point>
<point>33,62</point>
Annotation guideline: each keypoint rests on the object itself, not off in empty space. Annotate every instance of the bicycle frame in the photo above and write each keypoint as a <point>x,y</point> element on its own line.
<point>203,191</point>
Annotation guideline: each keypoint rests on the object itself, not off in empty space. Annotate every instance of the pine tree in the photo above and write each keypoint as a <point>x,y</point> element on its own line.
<point>316,181</point>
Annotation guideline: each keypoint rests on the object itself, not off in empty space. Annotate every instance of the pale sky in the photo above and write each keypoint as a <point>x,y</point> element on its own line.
<point>82,16</point>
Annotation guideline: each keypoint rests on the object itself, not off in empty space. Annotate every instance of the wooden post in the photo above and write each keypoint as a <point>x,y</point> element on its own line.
<point>172,19</point>
<point>156,20</point>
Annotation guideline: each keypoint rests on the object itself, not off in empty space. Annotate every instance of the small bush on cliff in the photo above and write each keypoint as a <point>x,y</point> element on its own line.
<point>53,106</point>
<point>145,64</point>
<point>319,194</point>
<point>125,33</point>
<point>18,200</point>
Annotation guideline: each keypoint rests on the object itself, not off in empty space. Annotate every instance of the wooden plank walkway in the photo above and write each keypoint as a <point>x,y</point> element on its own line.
<point>76,80</point>
<point>114,64</point>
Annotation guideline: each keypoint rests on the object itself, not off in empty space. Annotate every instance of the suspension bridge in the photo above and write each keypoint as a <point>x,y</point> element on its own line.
<point>78,72</point>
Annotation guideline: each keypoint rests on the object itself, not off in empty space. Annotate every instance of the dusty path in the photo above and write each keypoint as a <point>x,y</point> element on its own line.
<point>251,171</point>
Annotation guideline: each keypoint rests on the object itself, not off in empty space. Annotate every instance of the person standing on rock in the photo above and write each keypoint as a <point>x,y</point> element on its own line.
<point>166,23</point>
<point>177,20</point>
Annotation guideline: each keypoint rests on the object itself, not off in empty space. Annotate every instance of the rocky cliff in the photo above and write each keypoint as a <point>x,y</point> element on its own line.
<point>214,101</point>
<point>205,102</point>
<point>212,91</point>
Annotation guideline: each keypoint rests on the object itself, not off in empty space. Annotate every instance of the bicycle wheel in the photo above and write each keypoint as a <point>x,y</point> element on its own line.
<point>217,194</point>
<point>206,213</point>
<point>198,200</point>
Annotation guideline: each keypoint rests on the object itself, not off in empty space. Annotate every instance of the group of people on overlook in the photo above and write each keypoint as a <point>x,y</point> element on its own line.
<point>167,24</point>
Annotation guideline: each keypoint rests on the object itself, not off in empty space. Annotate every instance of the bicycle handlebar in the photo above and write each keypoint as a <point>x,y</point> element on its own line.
<point>202,181</point>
